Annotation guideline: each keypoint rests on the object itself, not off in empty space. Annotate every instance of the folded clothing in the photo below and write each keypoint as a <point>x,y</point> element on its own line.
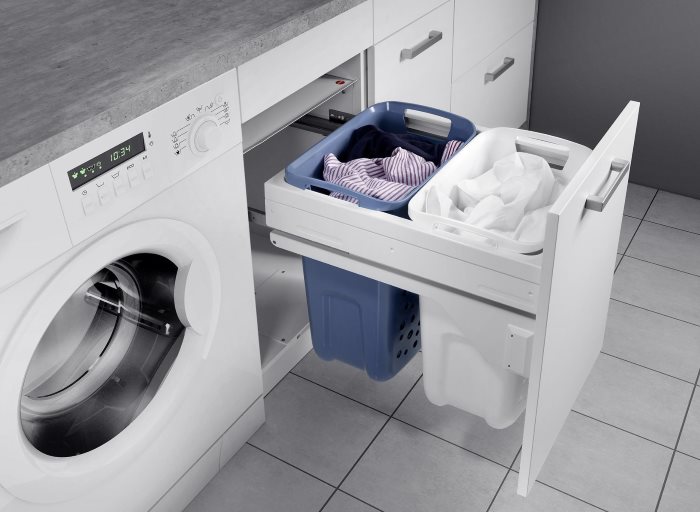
<point>512,198</point>
<point>389,178</point>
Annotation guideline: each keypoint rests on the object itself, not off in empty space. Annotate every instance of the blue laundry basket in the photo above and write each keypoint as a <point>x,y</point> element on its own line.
<point>360,321</point>
<point>307,170</point>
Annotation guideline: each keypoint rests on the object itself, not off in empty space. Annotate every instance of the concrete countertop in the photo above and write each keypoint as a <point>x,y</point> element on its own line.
<point>72,70</point>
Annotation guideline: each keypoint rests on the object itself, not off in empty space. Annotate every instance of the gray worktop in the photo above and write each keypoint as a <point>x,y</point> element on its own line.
<point>72,70</point>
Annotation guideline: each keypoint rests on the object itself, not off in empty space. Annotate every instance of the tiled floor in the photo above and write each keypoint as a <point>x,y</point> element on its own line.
<point>338,442</point>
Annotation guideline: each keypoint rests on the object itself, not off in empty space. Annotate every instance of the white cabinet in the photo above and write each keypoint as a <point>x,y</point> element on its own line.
<point>481,26</point>
<point>495,91</point>
<point>415,64</point>
<point>392,15</point>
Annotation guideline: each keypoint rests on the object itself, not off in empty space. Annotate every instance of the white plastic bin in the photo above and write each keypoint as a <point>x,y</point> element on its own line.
<point>475,352</point>
<point>477,157</point>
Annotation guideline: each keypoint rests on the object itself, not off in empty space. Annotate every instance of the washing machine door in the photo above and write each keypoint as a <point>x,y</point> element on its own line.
<point>88,360</point>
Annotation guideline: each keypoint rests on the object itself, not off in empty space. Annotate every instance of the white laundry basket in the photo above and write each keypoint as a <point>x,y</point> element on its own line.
<point>477,157</point>
<point>476,352</point>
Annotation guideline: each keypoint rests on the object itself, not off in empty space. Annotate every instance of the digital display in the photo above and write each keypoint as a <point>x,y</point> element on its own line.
<point>108,160</point>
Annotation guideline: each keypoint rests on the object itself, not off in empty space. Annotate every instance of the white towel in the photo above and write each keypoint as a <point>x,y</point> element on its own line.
<point>512,197</point>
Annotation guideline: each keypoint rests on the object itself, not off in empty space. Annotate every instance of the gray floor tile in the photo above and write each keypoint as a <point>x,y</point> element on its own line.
<point>384,396</point>
<point>653,340</point>
<point>253,481</point>
<point>315,429</point>
<point>641,401</point>
<point>659,289</point>
<point>638,199</point>
<point>341,502</point>
<point>667,246</point>
<point>540,499</point>
<point>690,438</point>
<point>408,470</point>
<point>464,429</point>
<point>676,211</point>
<point>682,493</point>
<point>605,466</point>
<point>627,229</point>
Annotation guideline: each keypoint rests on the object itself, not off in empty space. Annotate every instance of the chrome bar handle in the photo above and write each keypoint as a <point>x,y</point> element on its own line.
<point>491,76</point>
<point>433,37</point>
<point>597,203</point>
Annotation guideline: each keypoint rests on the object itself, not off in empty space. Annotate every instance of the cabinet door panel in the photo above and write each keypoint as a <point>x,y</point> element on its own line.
<point>422,78</point>
<point>392,15</point>
<point>481,26</point>
<point>501,101</point>
<point>577,272</point>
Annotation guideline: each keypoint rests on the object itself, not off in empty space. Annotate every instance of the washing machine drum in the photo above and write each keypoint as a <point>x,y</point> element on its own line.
<point>103,357</point>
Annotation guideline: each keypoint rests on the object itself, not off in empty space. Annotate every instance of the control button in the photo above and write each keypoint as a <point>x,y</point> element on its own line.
<point>120,184</point>
<point>89,202</point>
<point>147,169</point>
<point>104,193</point>
<point>132,171</point>
<point>206,135</point>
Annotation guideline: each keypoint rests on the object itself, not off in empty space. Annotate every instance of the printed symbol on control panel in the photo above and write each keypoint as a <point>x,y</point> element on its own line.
<point>75,175</point>
<point>199,108</point>
<point>189,117</point>
<point>149,135</point>
<point>177,152</point>
<point>82,171</point>
<point>84,192</point>
<point>174,134</point>
<point>100,183</point>
<point>115,175</point>
<point>150,143</point>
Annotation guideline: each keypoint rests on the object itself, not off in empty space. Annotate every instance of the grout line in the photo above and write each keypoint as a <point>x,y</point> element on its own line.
<point>450,442</point>
<point>660,265</point>
<point>339,393</point>
<point>289,464</point>
<point>370,444</point>
<point>646,367</point>
<point>361,501</point>
<point>617,265</point>
<point>655,312</point>
<point>678,440</point>
<point>632,237</point>
<point>673,227</point>
<point>688,455</point>
<point>504,479</point>
<point>574,497</point>
<point>622,429</point>
<point>650,203</point>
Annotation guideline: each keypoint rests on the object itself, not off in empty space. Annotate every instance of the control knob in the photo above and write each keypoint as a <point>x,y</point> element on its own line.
<point>205,136</point>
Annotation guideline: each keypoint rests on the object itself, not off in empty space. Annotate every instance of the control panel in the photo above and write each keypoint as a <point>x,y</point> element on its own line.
<point>113,174</point>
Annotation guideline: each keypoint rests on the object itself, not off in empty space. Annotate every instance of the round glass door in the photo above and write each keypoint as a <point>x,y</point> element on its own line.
<point>103,357</point>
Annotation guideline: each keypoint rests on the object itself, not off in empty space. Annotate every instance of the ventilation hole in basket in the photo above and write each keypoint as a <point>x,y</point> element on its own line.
<point>418,323</point>
<point>415,343</point>
<point>405,352</point>
<point>401,337</point>
<point>410,334</point>
<point>406,306</point>
<point>398,355</point>
<point>401,327</point>
<point>417,332</point>
<point>413,318</point>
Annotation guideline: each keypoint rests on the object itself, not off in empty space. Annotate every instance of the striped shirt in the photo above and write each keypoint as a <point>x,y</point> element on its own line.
<point>389,179</point>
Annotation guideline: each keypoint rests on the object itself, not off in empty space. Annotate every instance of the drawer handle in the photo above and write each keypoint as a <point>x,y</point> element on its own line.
<point>493,75</point>
<point>598,203</point>
<point>12,220</point>
<point>433,37</point>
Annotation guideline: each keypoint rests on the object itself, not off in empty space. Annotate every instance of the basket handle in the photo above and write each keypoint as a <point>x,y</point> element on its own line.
<point>492,239</point>
<point>460,127</point>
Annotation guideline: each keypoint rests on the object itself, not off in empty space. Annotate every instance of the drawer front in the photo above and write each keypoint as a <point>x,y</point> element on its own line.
<point>481,26</point>
<point>32,229</point>
<point>392,15</point>
<point>276,74</point>
<point>499,99</point>
<point>413,65</point>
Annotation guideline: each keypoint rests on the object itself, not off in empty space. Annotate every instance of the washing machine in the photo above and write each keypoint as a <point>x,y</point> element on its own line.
<point>129,360</point>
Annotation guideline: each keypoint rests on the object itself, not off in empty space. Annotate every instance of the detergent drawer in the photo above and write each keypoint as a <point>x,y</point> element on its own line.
<point>564,289</point>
